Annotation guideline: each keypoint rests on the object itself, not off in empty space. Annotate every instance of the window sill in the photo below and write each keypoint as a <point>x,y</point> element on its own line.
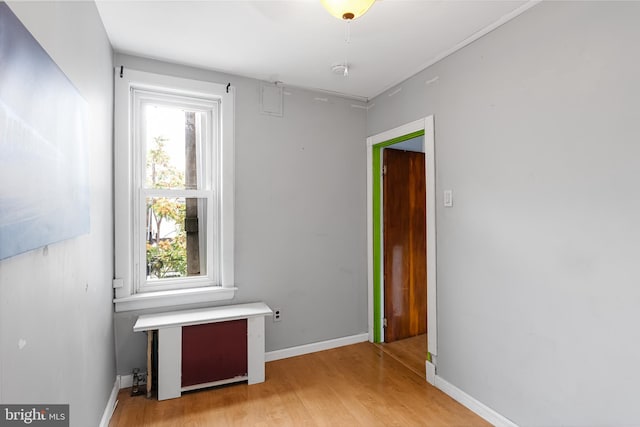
<point>173,298</point>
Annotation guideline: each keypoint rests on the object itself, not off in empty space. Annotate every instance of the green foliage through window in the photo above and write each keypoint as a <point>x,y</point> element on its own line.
<point>166,236</point>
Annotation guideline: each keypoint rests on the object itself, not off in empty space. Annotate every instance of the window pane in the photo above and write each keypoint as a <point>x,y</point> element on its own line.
<point>176,237</point>
<point>173,140</point>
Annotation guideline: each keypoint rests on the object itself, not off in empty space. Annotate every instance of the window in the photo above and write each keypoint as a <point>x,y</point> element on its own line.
<point>174,191</point>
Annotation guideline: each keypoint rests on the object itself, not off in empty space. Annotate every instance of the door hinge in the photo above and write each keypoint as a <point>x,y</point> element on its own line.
<point>384,170</point>
<point>384,322</point>
<point>117,283</point>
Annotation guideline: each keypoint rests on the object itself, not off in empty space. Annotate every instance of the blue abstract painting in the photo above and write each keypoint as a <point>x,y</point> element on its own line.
<point>44,177</point>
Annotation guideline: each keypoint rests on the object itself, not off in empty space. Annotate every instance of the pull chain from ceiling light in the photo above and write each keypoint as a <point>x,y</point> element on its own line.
<point>347,40</point>
<point>343,68</point>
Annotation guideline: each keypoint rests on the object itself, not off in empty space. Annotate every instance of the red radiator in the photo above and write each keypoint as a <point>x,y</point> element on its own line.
<point>214,352</point>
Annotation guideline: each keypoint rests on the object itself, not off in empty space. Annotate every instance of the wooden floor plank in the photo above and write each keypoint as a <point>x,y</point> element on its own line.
<point>357,385</point>
<point>412,352</point>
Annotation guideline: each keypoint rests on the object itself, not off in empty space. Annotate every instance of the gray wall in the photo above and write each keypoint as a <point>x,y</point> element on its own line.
<point>300,214</point>
<point>536,132</point>
<point>59,300</point>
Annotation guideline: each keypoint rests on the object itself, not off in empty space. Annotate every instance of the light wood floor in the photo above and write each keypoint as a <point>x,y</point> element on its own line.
<point>356,385</point>
<point>411,352</point>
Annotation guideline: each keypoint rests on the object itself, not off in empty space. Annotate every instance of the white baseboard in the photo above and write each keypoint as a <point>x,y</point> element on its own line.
<point>126,380</point>
<point>478,407</point>
<point>111,404</point>
<point>431,372</point>
<point>313,347</point>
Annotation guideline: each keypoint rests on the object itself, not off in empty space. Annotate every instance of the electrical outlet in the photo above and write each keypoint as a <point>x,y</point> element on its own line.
<point>277,315</point>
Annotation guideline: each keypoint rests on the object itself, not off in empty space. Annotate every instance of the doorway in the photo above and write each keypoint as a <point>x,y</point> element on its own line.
<point>375,146</point>
<point>404,242</point>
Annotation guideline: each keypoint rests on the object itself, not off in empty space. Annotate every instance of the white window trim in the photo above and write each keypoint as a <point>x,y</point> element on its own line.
<point>126,297</point>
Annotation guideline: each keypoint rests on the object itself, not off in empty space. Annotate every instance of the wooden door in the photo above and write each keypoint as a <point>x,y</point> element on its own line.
<point>405,244</point>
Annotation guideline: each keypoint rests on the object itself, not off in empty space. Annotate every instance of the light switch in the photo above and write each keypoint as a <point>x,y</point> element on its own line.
<point>448,198</point>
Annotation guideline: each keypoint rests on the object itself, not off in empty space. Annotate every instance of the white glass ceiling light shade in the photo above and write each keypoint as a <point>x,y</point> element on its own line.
<point>347,9</point>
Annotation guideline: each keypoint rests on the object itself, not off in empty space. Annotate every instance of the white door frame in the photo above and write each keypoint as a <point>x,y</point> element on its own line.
<point>425,124</point>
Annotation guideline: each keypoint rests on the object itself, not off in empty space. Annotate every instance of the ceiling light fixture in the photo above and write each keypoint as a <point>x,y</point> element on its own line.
<point>341,69</point>
<point>347,9</point>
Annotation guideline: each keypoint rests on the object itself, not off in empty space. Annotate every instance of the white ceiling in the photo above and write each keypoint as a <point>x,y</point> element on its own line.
<point>296,42</point>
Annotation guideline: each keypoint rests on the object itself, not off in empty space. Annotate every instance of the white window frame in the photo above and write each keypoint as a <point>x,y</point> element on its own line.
<point>207,188</point>
<point>128,180</point>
